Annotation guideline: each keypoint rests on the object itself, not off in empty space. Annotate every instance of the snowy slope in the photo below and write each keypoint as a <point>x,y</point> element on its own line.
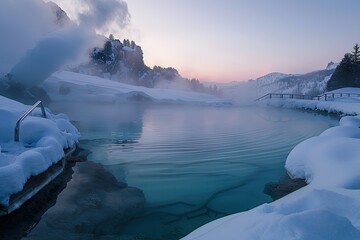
<point>41,144</point>
<point>70,86</point>
<point>327,208</point>
<point>270,78</point>
<point>313,83</point>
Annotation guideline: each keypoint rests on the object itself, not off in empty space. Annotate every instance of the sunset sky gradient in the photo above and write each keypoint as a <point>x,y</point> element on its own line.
<point>228,40</point>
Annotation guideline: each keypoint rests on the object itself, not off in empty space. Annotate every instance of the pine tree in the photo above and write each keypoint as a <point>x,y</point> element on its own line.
<point>133,44</point>
<point>355,55</point>
<point>111,37</point>
<point>126,42</point>
<point>108,48</point>
<point>347,74</point>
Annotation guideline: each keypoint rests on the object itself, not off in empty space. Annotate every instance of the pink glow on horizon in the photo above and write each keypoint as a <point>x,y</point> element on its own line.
<point>235,40</point>
<point>227,77</point>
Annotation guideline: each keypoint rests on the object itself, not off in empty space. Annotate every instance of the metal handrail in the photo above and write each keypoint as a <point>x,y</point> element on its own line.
<point>17,127</point>
<point>262,97</point>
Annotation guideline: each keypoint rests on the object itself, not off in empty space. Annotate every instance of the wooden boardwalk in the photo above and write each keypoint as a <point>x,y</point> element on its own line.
<point>35,184</point>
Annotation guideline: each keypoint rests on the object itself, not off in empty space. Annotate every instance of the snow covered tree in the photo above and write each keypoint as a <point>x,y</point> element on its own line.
<point>355,54</point>
<point>111,37</point>
<point>132,44</point>
<point>347,74</point>
<point>108,48</point>
<point>126,43</point>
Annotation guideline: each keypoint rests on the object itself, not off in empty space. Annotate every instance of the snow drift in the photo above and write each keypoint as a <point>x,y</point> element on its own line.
<point>41,144</point>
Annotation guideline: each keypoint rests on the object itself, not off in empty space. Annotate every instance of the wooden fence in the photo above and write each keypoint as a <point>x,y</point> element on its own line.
<point>325,96</point>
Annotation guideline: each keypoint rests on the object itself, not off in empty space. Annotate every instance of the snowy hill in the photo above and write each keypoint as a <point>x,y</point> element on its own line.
<point>312,83</point>
<point>70,86</point>
<point>270,78</point>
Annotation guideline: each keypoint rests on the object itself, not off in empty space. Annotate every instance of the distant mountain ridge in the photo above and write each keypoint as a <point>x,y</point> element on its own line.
<point>312,83</point>
<point>271,78</point>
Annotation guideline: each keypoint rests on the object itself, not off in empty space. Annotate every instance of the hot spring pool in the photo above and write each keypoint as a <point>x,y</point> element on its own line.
<point>194,164</point>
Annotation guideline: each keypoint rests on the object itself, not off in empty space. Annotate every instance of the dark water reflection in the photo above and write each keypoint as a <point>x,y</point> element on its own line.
<point>93,205</point>
<point>194,164</point>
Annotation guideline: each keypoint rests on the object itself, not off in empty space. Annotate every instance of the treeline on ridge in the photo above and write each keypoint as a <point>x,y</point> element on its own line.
<point>123,61</point>
<point>347,74</point>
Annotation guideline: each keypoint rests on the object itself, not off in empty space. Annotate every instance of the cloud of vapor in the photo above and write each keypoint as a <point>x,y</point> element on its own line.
<point>50,53</point>
<point>52,48</point>
<point>100,13</point>
<point>22,23</point>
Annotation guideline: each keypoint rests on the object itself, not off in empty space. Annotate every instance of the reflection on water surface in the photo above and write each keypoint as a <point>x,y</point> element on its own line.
<point>193,164</point>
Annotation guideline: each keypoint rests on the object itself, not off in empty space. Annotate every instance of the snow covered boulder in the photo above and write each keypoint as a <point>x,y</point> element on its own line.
<point>331,159</point>
<point>350,121</point>
<point>42,143</point>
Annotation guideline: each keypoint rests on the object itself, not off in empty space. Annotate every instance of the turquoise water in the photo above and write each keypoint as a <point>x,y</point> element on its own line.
<point>194,164</point>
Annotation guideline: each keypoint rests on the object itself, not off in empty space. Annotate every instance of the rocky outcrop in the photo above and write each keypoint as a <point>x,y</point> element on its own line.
<point>283,187</point>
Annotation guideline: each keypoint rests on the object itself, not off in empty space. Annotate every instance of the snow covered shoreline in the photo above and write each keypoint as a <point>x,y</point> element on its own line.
<point>42,143</point>
<point>328,207</point>
<point>43,140</point>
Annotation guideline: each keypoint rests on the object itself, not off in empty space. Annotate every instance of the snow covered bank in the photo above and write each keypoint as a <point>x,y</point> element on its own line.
<point>41,144</point>
<point>340,105</point>
<point>327,208</point>
<point>70,86</point>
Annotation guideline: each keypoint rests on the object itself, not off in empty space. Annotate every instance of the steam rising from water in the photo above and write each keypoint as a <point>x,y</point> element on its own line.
<point>22,23</point>
<point>51,48</point>
<point>50,53</point>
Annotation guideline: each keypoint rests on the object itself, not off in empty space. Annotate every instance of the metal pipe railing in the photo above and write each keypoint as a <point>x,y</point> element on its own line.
<point>17,127</point>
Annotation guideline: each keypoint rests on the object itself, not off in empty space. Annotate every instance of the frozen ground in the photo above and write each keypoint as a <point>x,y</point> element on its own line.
<point>328,207</point>
<point>41,144</point>
<point>70,86</point>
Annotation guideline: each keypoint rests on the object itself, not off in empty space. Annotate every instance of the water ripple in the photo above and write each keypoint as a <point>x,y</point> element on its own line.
<point>197,165</point>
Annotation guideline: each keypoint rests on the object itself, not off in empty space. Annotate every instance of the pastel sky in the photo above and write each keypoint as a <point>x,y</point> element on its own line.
<point>228,40</point>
